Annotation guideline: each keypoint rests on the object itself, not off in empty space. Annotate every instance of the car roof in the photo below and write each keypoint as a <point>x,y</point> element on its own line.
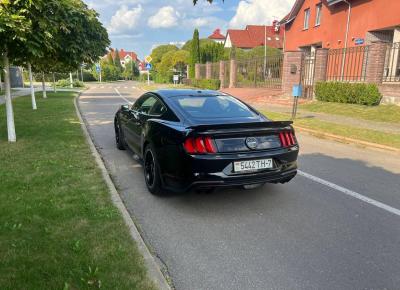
<point>167,93</point>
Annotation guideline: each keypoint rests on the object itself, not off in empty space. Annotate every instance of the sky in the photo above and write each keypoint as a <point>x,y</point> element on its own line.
<point>141,25</point>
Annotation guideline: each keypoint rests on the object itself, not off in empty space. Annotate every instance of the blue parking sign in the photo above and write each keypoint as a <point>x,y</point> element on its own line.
<point>97,67</point>
<point>148,66</point>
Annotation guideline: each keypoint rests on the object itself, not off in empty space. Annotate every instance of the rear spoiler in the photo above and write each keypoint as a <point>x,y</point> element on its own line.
<point>267,125</point>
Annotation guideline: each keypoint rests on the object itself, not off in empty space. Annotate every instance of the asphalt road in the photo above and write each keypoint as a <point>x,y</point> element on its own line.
<point>335,226</point>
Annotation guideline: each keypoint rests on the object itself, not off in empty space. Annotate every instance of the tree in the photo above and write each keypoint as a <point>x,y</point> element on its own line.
<point>158,52</point>
<point>14,26</point>
<point>110,58</point>
<point>52,35</point>
<point>117,60</point>
<point>194,53</point>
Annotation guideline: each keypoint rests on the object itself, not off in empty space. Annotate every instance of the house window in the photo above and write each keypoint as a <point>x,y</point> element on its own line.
<point>306,18</point>
<point>318,15</point>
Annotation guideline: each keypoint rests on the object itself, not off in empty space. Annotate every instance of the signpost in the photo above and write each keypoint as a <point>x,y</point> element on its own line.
<point>148,60</point>
<point>176,79</point>
<point>98,70</point>
<point>297,92</point>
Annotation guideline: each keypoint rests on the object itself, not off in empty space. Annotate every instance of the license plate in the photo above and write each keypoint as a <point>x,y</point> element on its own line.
<point>252,165</point>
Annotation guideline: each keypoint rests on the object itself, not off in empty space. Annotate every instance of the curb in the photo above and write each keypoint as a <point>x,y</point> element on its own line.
<point>347,140</point>
<point>154,271</point>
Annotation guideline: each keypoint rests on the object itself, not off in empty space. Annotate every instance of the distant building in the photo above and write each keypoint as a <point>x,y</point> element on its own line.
<point>217,36</point>
<point>125,56</point>
<point>255,35</point>
<point>315,24</point>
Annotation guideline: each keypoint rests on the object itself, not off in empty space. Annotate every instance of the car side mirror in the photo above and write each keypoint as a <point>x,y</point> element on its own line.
<point>125,108</point>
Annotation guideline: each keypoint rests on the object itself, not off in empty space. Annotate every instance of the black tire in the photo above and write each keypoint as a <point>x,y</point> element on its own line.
<point>286,180</point>
<point>152,172</point>
<point>119,136</point>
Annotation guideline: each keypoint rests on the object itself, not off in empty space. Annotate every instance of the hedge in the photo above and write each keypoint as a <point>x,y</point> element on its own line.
<point>209,84</point>
<point>351,93</point>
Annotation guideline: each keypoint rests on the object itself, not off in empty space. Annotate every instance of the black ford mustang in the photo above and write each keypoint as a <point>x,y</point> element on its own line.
<point>204,139</point>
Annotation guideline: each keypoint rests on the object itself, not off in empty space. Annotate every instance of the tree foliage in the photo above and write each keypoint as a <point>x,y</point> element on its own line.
<point>158,52</point>
<point>194,53</point>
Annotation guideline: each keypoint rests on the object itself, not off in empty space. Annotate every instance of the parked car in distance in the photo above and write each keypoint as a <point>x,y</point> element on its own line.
<point>201,139</point>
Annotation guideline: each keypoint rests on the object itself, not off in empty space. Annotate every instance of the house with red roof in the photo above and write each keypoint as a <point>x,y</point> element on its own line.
<point>217,36</point>
<point>255,35</point>
<point>124,56</point>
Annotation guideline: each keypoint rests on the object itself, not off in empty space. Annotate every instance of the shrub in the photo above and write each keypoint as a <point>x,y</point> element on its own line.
<point>63,83</point>
<point>211,84</point>
<point>66,83</point>
<point>350,93</point>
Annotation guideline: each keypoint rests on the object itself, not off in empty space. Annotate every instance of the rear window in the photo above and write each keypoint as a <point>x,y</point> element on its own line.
<point>213,107</point>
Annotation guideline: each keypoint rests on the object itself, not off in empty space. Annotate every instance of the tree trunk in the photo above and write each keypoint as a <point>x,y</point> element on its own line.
<point>54,83</point>
<point>70,80</point>
<point>9,109</point>
<point>44,86</point>
<point>32,88</point>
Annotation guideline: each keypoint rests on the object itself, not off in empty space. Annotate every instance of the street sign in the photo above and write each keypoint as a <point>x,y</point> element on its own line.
<point>148,59</point>
<point>148,66</point>
<point>98,67</point>
<point>176,78</point>
<point>359,41</point>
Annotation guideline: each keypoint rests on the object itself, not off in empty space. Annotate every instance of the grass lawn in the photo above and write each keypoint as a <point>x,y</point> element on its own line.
<point>382,113</point>
<point>58,226</point>
<point>373,136</point>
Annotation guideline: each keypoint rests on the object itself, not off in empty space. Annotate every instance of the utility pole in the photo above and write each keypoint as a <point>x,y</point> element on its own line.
<point>265,50</point>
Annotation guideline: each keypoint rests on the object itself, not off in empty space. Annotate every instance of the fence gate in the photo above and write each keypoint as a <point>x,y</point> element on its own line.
<point>260,72</point>
<point>307,74</point>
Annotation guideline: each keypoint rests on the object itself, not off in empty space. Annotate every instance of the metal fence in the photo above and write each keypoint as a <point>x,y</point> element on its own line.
<point>347,64</point>
<point>203,70</point>
<point>392,63</point>
<point>260,72</point>
<point>215,70</point>
<point>308,74</point>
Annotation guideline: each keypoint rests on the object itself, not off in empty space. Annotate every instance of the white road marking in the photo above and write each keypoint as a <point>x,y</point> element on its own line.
<point>134,88</point>
<point>129,102</point>
<point>125,87</point>
<point>351,193</point>
<point>102,87</point>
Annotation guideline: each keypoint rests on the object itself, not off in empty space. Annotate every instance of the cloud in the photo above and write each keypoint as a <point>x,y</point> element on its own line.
<point>125,19</point>
<point>259,12</point>
<point>165,17</point>
<point>204,22</point>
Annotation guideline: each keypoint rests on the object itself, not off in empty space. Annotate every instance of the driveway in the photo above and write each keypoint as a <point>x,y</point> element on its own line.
<point>335,226</point>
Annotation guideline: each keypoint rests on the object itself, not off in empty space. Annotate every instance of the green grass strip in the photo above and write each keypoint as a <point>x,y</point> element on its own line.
<point>368,135</point>
<point>58,226</point>
<point>382,113</point>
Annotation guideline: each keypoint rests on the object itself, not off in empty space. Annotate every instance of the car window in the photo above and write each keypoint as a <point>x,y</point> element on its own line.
<point>158,108</point>
<point>213,107</point>
<point>139,102</point>
<point>147,105</point>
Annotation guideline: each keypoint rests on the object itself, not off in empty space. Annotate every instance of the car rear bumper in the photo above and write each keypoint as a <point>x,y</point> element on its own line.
<point>205,171</point>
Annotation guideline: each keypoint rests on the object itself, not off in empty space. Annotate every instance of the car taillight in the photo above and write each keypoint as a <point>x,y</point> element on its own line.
<point>199,145</point>
<point>287,139</point>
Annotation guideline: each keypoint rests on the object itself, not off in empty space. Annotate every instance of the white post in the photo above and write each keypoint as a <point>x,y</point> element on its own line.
<point>54,83</point>
<point>31,86</point>
<point>148,77</point>
<point>82,73</point>
<point>100,73</point>
<point>1,84</point>
<point>9,109</point>
<point>70,80</point>
<point>44,86</point>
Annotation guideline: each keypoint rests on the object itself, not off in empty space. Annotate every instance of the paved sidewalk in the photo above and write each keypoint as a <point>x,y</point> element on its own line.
<point>19,92</point>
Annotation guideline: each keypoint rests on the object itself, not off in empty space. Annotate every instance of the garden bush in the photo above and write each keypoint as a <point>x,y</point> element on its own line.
<point>350,93</point>
<point>209,84</point>
<point>66,83</point>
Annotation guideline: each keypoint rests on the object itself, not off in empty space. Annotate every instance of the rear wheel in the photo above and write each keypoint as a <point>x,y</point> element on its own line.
<point>119,137</point>
<point>152,172</point>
